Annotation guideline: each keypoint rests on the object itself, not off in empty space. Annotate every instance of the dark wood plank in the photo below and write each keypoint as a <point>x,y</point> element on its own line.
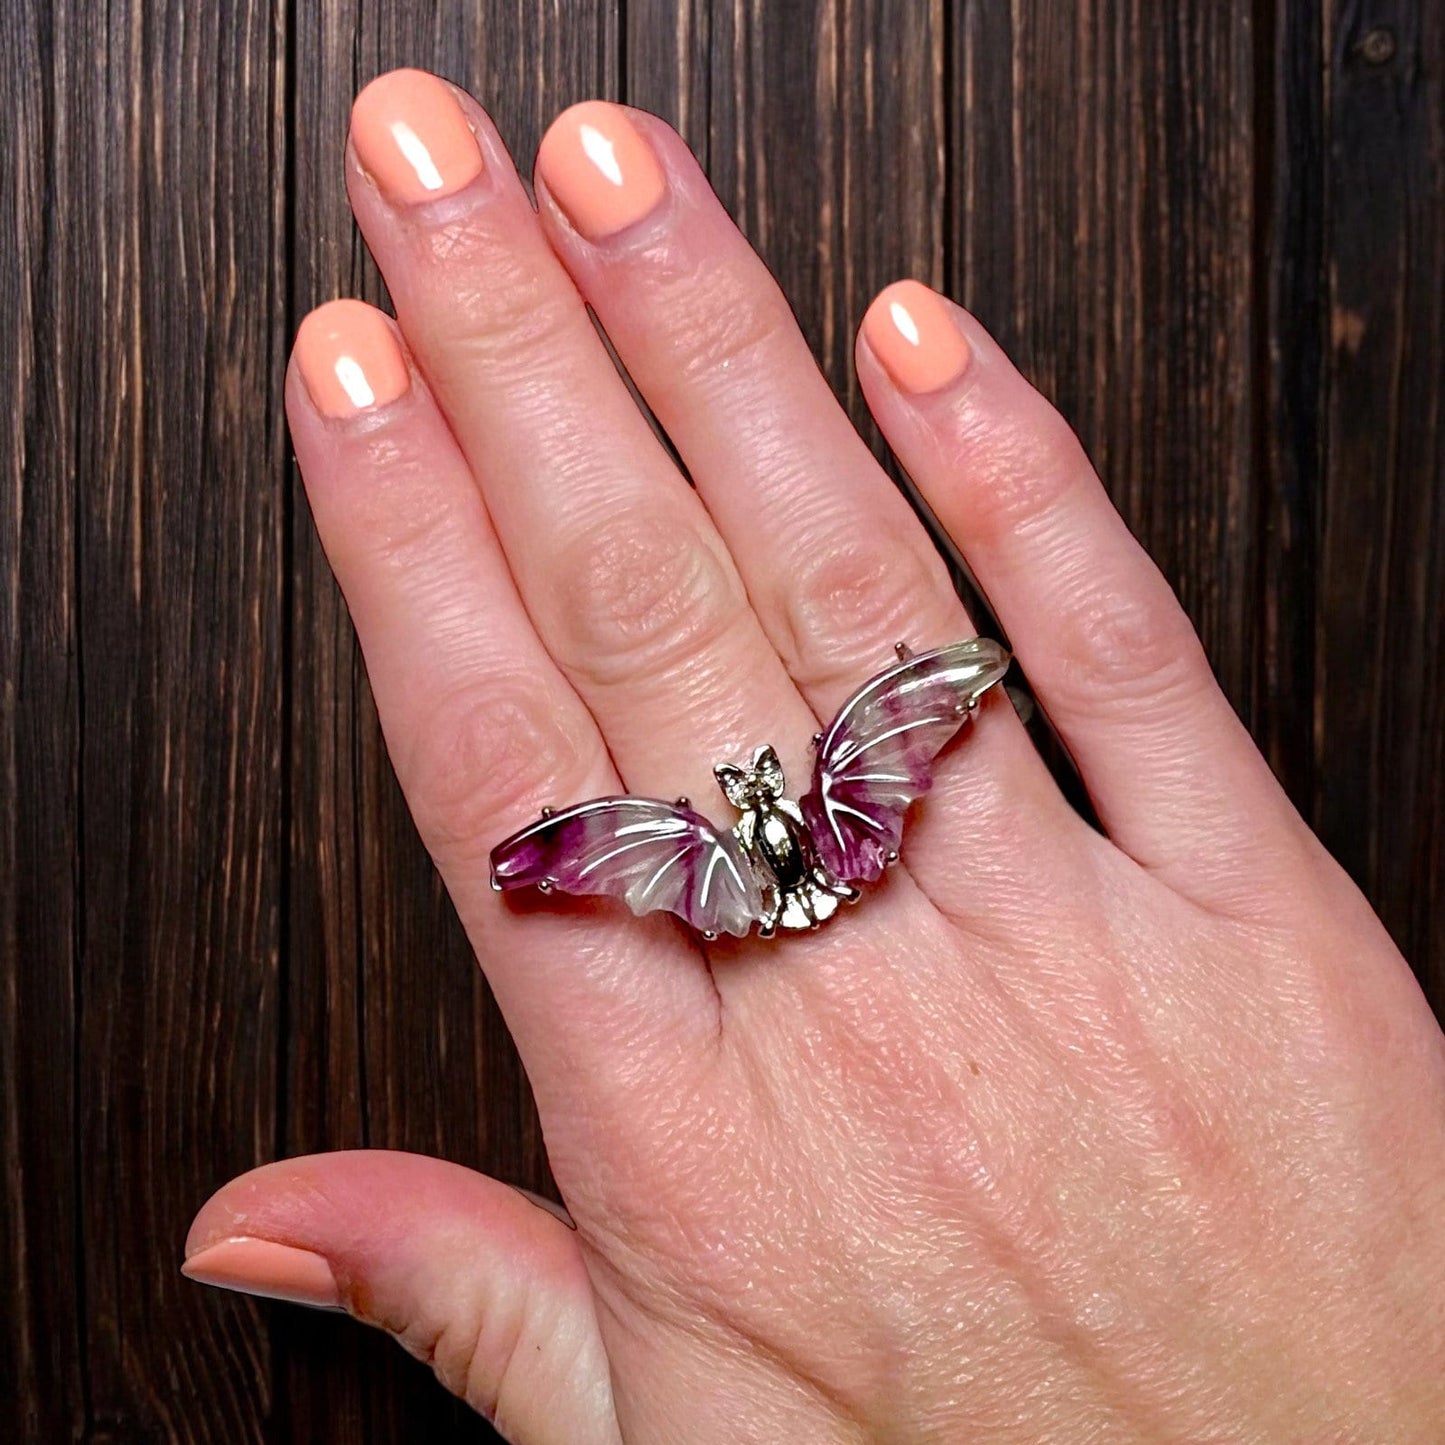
<point>42,1337</point>
<point>1380,665</point>
<point>393,1038</point>
<point>1102,211</point>
<point>1292,329</point>
<point>825,141</point>
<point>158,292</point>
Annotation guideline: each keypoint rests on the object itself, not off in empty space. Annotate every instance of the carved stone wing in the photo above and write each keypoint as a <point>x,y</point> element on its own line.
<point>877,756</point>
<point>652,855</point>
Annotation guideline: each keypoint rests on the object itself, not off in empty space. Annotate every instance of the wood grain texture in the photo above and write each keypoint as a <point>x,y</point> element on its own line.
<point>1380,611</point>
<point>1101,191</point>
<point>43,1352</point>
<point>1211,231</point>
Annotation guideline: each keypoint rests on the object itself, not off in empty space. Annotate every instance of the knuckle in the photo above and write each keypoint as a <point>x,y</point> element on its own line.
<point>501,300</point>
<point>1019,469</point>
<point>396,518</point>
<point>1128,647</point>
<point>640,593</point>
<point>486,754</point>
<point>720,319</point>
<point>858,590</point>
<point>403,514</point>
<point>517,326</point>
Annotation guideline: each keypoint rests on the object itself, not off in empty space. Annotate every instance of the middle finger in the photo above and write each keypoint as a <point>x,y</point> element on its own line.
<point>618,563</point>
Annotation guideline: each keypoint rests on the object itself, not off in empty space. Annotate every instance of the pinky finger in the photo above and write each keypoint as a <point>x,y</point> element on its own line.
<point>1176,779</point>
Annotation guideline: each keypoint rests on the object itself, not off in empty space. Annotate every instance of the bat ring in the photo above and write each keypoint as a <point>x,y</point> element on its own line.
<point>782,864</point>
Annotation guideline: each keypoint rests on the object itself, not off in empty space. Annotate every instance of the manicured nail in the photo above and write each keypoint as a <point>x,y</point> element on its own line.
<point>349,359</point>
<point>262,1267</point>
<point>599,169</point>
<point>556,1210</point>
<point>914,336</point>
<point>412,137</point>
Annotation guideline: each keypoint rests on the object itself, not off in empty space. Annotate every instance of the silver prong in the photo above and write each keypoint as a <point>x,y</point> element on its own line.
<point>496,887</point>
<point>545,885</point>
<point>547,812</point>
<point>709,936</point>
<point>904,651</point>
<point>686,802</point>
<point>817,740</point>
<point>891,856</point>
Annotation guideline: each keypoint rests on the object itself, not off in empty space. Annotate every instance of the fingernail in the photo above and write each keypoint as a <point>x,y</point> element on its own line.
<point>913,334</point>
<point>349,359</point>
<point>557,1211</point>
<point>412,137</point>
<point>262,1267</point>
<point>599,169</point>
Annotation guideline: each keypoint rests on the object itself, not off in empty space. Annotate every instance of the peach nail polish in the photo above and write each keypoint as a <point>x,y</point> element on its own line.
<point>914,336</point>
<point>349,359</point>
<point>262,1267</point>
<point>600,170</point>
<point>412,137</point>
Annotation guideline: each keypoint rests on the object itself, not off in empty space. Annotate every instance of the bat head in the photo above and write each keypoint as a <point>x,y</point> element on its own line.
<point>752,787</point>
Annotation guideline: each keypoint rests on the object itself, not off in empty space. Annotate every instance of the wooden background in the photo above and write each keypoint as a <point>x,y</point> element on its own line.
<point>1211,229</point>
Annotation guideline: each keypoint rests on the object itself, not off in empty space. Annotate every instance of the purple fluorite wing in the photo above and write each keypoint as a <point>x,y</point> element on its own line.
<point>652,855</point>
<point>877,756</point>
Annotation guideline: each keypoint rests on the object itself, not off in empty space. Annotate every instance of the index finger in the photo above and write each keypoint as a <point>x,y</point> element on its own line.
<point>482,728</point>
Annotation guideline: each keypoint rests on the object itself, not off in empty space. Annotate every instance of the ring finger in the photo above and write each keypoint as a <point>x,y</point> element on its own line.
<point>837,565</point>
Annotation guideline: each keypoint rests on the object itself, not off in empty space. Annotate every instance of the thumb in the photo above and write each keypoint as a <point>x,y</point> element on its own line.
<point>467,1273</point>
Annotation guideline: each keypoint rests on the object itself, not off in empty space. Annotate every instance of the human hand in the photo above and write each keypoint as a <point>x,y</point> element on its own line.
<point>1057,1136</point>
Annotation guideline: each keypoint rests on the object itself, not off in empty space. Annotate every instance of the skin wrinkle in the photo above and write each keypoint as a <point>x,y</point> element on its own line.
<point>642,594</point>
<point>852,585</point>
<point>1156,1437</point>
<point>716,316</point>
<point>893,1173</point>
<point>694,295</point>
<point>758,425</point>
<point>719,1330</point>
<point>491,750</point>
<point>1022,473</point>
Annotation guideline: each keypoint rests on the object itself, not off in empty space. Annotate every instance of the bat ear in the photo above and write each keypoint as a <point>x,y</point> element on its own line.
<point>734,783</point>
<point>769,771</point>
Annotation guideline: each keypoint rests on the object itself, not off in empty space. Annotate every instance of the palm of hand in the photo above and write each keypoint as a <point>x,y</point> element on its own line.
<point>1058,1135</point>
